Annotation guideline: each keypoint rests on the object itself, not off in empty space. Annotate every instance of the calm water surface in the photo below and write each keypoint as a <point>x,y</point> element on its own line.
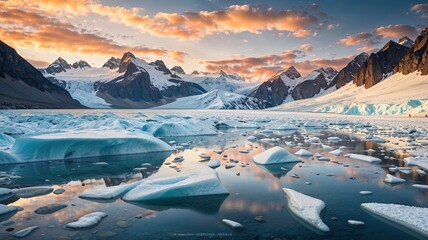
<point>254,191</point>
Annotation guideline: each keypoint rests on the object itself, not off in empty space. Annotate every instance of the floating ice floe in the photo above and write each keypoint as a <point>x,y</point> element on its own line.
<point>413,218</point>
<point>364,158</point>
<point>232,224</point>
<point>417,161</point>
<point>50,208</point>
<point>181,128</point>
<point>306,208</point>
<point>366,193</point>
<point>89,143</point>
<point>421,187</point>
<point>236,124</point>
<point>4,209</point>
<point>326,147</point>
<point>194,180</point>
<point>251,139</point>
<point>88,220</point>
<point>392,179</point>
<point>25,232</point>
<point>421,172</point>
<point>109,192</point>
<point>30,192</point>
<point>405,170</point>
<point>336,152</point>
<point>275,155</point>
<point>355,222</point>
<point>314,125</point>
<point>303,152</point>
<point>214,163</point>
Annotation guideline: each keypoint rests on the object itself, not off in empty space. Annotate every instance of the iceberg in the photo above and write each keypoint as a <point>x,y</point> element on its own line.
<point>6,141</point>
<point>214,163</point>
<point>88,220</point>
<point>306,208</point>
<point>421,187</point>
<point>89,143</point>
<point>25,232</point>
<point>364,158</point>
<point>275,155</point>
<point>195,180</point>
<point>410,218</point>
<point>417,161</point>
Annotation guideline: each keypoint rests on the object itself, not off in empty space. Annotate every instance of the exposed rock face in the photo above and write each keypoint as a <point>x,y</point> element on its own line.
<point>135,88</point>
<point>81,64</point>
<point>348,73</point>
<point>379,65</point>
<point>160,66</point>
<point>112,63</point>
<point>177,70</point>
<point>125,61</point>
<point>405,41</point>
<point>314,83</point>
<point>59,65</point>
<point>23,86</point>
<point>417,58</point>
<point>275,91</point>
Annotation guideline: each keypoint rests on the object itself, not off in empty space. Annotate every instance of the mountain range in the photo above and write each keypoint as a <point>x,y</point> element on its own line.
<point>131,82</point>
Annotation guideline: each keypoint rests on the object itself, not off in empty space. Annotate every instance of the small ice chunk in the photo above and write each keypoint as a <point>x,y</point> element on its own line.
<point>333,139</point>
<point>5,192</point>
<point>336,152</point>
<point>59,191</point>
<point>392,179</point>
<point>275,155</point>
<point>366,193</point>
<point>25,232</point>
<point>232,224</point>
<point>303,152</point>
<point>30,192</point>
<point>100,163</point>
<point>355,222</point>
<point>405,170</point>
<point>230,165</point>
<point>326,147</point>
<point>412,218</point>
<point>214,163</point>
<point>306,208</point>
<point>88,220</point>
<point>364,158</point>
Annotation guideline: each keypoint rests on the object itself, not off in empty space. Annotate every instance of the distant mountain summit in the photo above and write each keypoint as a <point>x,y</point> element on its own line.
<point>112,63</point>
<point>59,65</point>
<point>348,73</point>
<point>81,64</point>
<point>23,86</point>
<point>177,70</point>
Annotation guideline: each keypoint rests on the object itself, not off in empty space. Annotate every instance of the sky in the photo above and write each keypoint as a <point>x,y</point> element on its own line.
<point>253,38</point>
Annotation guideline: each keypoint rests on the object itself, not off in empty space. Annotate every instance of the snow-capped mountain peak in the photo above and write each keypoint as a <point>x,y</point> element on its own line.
<point>81,64</point>
<point>405,41</point>
<point>59,65</point>
<point>177,70</point>
<point>125,61</point>
<point>112,63</point>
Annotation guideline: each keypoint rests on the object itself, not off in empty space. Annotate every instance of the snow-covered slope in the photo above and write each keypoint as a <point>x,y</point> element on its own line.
<point>221,81</point>
<point>80,83</point>
<point>217,99</point>
<point>397,94</point>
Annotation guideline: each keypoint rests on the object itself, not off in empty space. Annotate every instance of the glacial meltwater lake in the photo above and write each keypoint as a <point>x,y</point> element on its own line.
<point>255,200</point>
